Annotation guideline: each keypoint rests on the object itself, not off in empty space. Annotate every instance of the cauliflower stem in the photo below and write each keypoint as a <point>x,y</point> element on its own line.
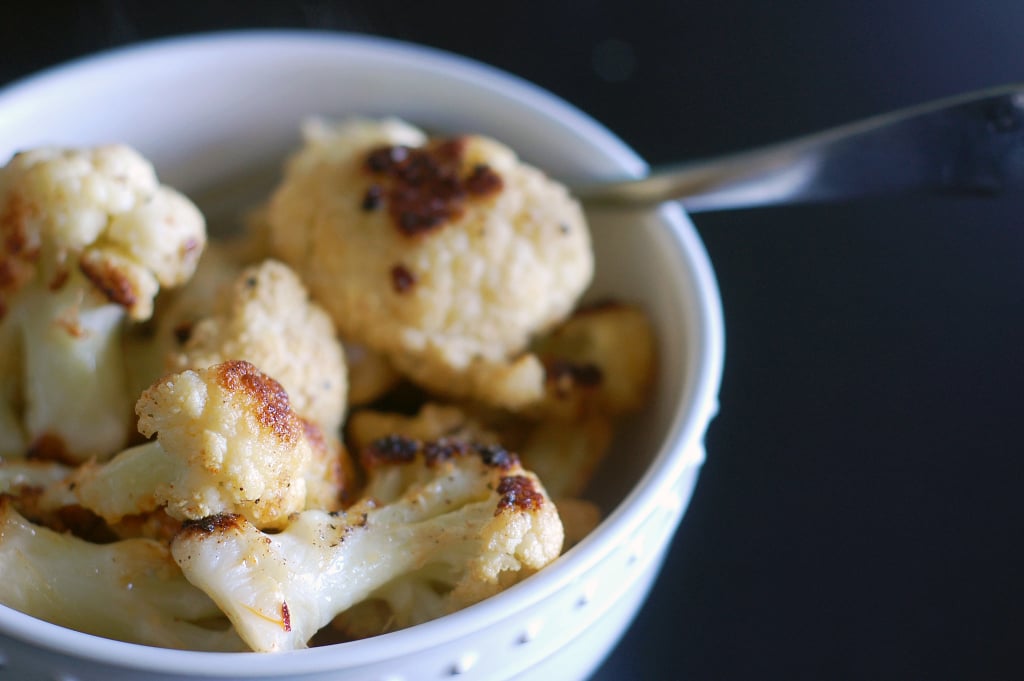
<point>77,584</point>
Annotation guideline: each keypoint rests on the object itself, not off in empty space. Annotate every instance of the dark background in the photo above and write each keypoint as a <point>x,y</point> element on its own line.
<point>859,515</point>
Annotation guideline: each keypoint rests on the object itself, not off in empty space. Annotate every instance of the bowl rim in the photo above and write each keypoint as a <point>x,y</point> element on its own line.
<point>685,431</point>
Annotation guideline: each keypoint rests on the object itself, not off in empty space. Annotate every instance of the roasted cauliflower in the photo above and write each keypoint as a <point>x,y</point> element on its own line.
<point>442,525</point>
<point>78,584</point>
<point>447,256</point>
<point>89,236</point>
<point>426,285</point>
<point>227,441</point>
<point>600,362</point>
<point>265,317</point>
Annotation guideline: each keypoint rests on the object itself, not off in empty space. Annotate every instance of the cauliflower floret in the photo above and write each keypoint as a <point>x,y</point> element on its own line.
<point>265,317</point>
<point>599,362</point>
<point>88,238</point>
<point>599,366</point>
<point>452,522</point>
<point>149,347</point>
<point>563,455</point>
<point>446,256</point>
<point>433,421</point>
<point>130,590</point>
<point>227,441</point>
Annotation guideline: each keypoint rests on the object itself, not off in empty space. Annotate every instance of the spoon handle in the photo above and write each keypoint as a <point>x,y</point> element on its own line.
<point>967,145</point>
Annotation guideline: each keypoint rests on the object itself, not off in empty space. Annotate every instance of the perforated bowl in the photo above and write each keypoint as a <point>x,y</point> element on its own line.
<point>208,108</point>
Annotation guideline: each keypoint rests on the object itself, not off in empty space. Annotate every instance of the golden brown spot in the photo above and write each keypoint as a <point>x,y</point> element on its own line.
<point>111,281</point>
<point>483,181</point>
<point>402,279</point>
<point>265,396</point>
<point>50,447</point>
<point>563,376</point>
<point>60,278</point>
<point>71,324</point>
<point>154,524</point>
<point>424,187</point>
<point>315,436</point>
<point>20,252</point>
<point>85,524</point>
<point>213,524</point>
<point>497,456</point>
<point>182,332</point>
<point>390,449</point>
<point>441,450</point>
<point>14,221</point>
<point>518,493</point>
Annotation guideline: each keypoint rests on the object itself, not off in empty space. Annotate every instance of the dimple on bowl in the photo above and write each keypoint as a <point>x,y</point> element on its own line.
<point>208,108</point>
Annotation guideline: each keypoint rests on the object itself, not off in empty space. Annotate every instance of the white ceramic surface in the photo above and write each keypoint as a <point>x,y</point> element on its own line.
<point>209,107</point>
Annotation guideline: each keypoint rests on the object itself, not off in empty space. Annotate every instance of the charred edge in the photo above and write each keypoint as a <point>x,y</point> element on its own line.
<point>50,447</point>
<point>85,524</point>
<point>183,332</point>
<point>286,616</point>
<point>597,306</point>
<point>564,375</point>
<point>373,198</point>
<point>518,493</point>
<point>439,451</point>
<point>391,449</point>
<point>110,281</point>
<point>402,279</point>
<point>424,188</point>
<point>350,525</point>
<point>213,524</point>
<point>483,181</point>
<point>272,408</point>
<point>497,456</point>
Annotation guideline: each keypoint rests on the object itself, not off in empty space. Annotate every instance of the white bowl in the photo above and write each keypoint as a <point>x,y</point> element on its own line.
<point>206,108</point>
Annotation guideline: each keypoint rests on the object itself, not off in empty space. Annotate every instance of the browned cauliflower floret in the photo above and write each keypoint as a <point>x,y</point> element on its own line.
<point>447,256</point>
<point>128,590</point>
<point>88,238</point>
<point>227,441</point>
<point>599,362</point>
<point>265,317</point>
<point>443,525</point>
<point>599,365</point>
<point>563,455</point>
<point>433,421</point>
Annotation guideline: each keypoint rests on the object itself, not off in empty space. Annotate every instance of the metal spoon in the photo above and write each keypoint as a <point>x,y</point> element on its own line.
<point>971,144</point>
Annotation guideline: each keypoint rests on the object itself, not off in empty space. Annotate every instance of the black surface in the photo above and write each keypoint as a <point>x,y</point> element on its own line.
<point>859,515</point>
